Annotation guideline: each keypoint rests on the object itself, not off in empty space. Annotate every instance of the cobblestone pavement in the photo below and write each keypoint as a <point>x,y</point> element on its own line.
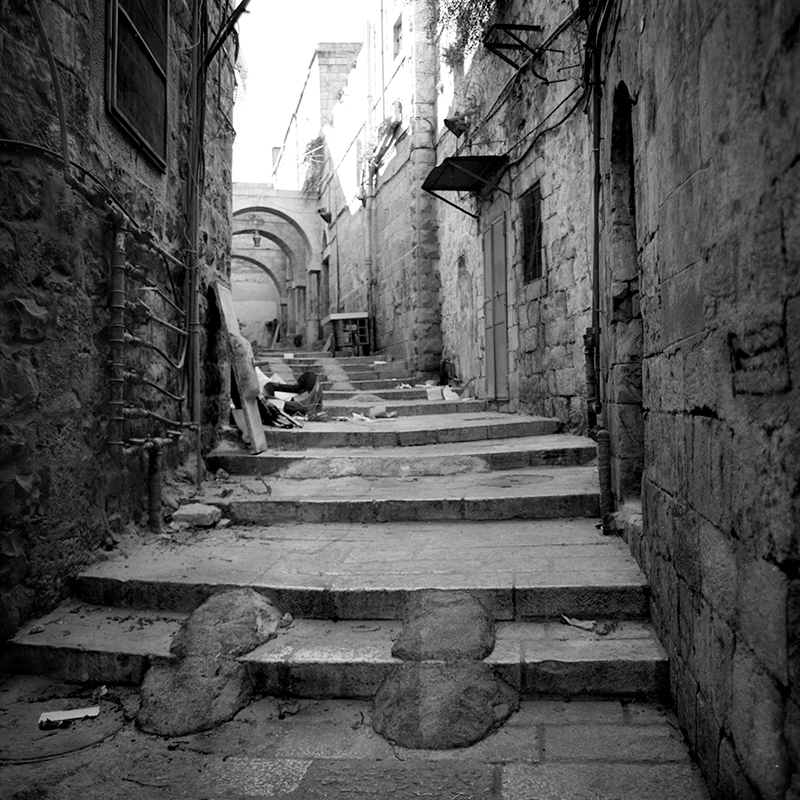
<point>315,749</point>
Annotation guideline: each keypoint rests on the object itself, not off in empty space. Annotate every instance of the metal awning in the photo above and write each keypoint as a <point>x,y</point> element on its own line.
<point>465,174</point>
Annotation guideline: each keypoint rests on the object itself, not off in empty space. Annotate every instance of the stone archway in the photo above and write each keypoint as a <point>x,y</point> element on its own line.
<point>292,218</point>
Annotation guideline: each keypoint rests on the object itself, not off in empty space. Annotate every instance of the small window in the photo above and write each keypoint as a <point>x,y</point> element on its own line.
<point>531,212</point>
<point>397,37</point>
<point>136,79</point>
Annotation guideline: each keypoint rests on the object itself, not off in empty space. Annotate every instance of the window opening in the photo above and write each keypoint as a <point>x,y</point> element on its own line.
<point>136,79</point>
<point>397,37</point>
<point>531,213</point>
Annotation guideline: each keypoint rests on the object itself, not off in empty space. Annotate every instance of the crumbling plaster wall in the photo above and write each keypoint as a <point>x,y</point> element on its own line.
<point>62,495</point>
<point>715,132</point>
<point>547,317</point>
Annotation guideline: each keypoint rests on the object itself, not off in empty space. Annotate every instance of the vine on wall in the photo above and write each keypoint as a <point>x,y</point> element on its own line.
<point>465,20</point>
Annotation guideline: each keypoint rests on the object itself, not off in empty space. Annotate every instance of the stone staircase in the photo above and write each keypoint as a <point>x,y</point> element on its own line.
<point>342,522</point>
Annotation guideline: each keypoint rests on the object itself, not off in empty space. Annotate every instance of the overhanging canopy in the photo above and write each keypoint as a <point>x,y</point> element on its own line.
<point>464,174</point>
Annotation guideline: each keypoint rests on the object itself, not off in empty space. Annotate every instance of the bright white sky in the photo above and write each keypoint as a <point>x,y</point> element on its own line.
<point>278,38</point>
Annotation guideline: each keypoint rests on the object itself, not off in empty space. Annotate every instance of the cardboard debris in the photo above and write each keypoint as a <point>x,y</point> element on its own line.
<point>435,393</point>
<point>58,719</point>
<point>600,628</point>
<point>449,394</point>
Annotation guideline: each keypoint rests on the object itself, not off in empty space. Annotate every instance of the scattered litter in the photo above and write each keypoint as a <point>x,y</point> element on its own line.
<point>583,624</point>
<point>600,628</point>
<point>449,394</point>
<point>221,475</point>
<point>365,628</point>
<point>61,719</point>
<point>37,629</point>
<point>100,691</point>
<point>360,417</point>
<point>604,628</point>
<point>286,620</point>
<point>287,708</point>
<point>405,386</point>
<point>288,355</point>
<point>380,412</point>
<point>358,724</point>
<point>380,362</point>
<point>435,393</point>
<point>223,523</point>
<point>430,383</point>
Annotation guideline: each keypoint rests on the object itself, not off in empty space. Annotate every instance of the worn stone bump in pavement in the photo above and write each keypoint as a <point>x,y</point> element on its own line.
<point>206,685</point>
<point>436,705</point>
<point>444,697</point>
<point>445,626</point>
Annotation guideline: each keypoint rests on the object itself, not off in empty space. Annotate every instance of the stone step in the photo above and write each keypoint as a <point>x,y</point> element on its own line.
<point>437,459</point>
<point>364,385</point>
<point>345,659</point>
<point>352,658</point>
<point>397,395</point>
<point>409,431</point>
<point>335,372</point>
<point>419,407</point>
<point>520,570</point>
<point>532,493</point>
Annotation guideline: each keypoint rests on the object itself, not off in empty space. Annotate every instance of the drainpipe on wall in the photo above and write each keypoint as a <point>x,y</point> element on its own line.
<point>116,337</point>
<point>192,224</point>
<point>594,43</point>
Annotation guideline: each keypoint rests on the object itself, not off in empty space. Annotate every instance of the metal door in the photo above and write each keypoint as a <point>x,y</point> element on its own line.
<point>495,310</point>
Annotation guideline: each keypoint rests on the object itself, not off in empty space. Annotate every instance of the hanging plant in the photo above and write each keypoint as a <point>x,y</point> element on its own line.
<point>465,20</point>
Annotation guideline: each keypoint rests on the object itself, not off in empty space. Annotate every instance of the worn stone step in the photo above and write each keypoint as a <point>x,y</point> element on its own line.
<point>419,407</point>
<point>531,493</point>
<point>409,431</point>
<point>519,569</point>
<point>339,395</point>
<point>85,643</point>
<point>352,658</point>
<point>436,459</point>
<point>349,658</point>
<point>358,384</point>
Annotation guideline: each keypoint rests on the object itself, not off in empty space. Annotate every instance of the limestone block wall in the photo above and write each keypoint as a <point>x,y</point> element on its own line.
<point>547,316</point>
<point>716,184</point>
<point>63,495</point>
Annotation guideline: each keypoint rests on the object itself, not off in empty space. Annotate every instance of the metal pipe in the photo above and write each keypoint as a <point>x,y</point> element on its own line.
<point>154,487</point>
<point>116,337</point>
<point>193,218</point>
<point>136,412</point>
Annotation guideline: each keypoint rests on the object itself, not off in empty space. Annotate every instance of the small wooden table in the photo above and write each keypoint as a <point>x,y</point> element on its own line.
<point>350,329</point>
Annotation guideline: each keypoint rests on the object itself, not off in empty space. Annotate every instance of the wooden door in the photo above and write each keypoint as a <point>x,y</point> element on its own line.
<point>496,310</point>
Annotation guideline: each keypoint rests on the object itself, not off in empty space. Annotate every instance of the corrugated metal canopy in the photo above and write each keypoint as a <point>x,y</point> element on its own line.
<point>464,173</point>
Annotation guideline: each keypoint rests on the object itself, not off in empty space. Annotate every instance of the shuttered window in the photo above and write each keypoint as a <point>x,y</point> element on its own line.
<point>136,90</point>
<point>531,213</point>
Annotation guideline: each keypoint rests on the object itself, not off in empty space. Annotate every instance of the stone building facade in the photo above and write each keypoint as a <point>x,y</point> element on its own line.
<point>100,235</point>
<point>666,179</point>
<point>700,276</point>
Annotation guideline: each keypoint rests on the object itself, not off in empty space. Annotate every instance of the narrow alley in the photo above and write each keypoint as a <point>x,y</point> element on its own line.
<point>399,398</point>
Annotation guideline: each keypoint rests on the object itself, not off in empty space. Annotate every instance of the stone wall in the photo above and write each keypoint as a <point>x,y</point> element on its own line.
<point>714,131</point>
<point>547,316</point>
<point>63,494</point>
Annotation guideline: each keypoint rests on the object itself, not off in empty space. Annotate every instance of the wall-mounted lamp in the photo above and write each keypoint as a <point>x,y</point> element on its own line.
<point>457,125</point>
<point>325,214</point>
<point>256,221</point>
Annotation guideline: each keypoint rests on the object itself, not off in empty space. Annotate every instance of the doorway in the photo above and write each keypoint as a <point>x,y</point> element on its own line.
<point>495,309</point>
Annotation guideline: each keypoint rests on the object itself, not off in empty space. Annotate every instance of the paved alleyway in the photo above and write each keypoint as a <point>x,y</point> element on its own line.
<point>340,525</point>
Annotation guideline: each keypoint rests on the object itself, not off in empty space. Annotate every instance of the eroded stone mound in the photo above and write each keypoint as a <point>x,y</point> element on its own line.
<point>206,685</point>
<point>445,626</point>
<point>438,706</point>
